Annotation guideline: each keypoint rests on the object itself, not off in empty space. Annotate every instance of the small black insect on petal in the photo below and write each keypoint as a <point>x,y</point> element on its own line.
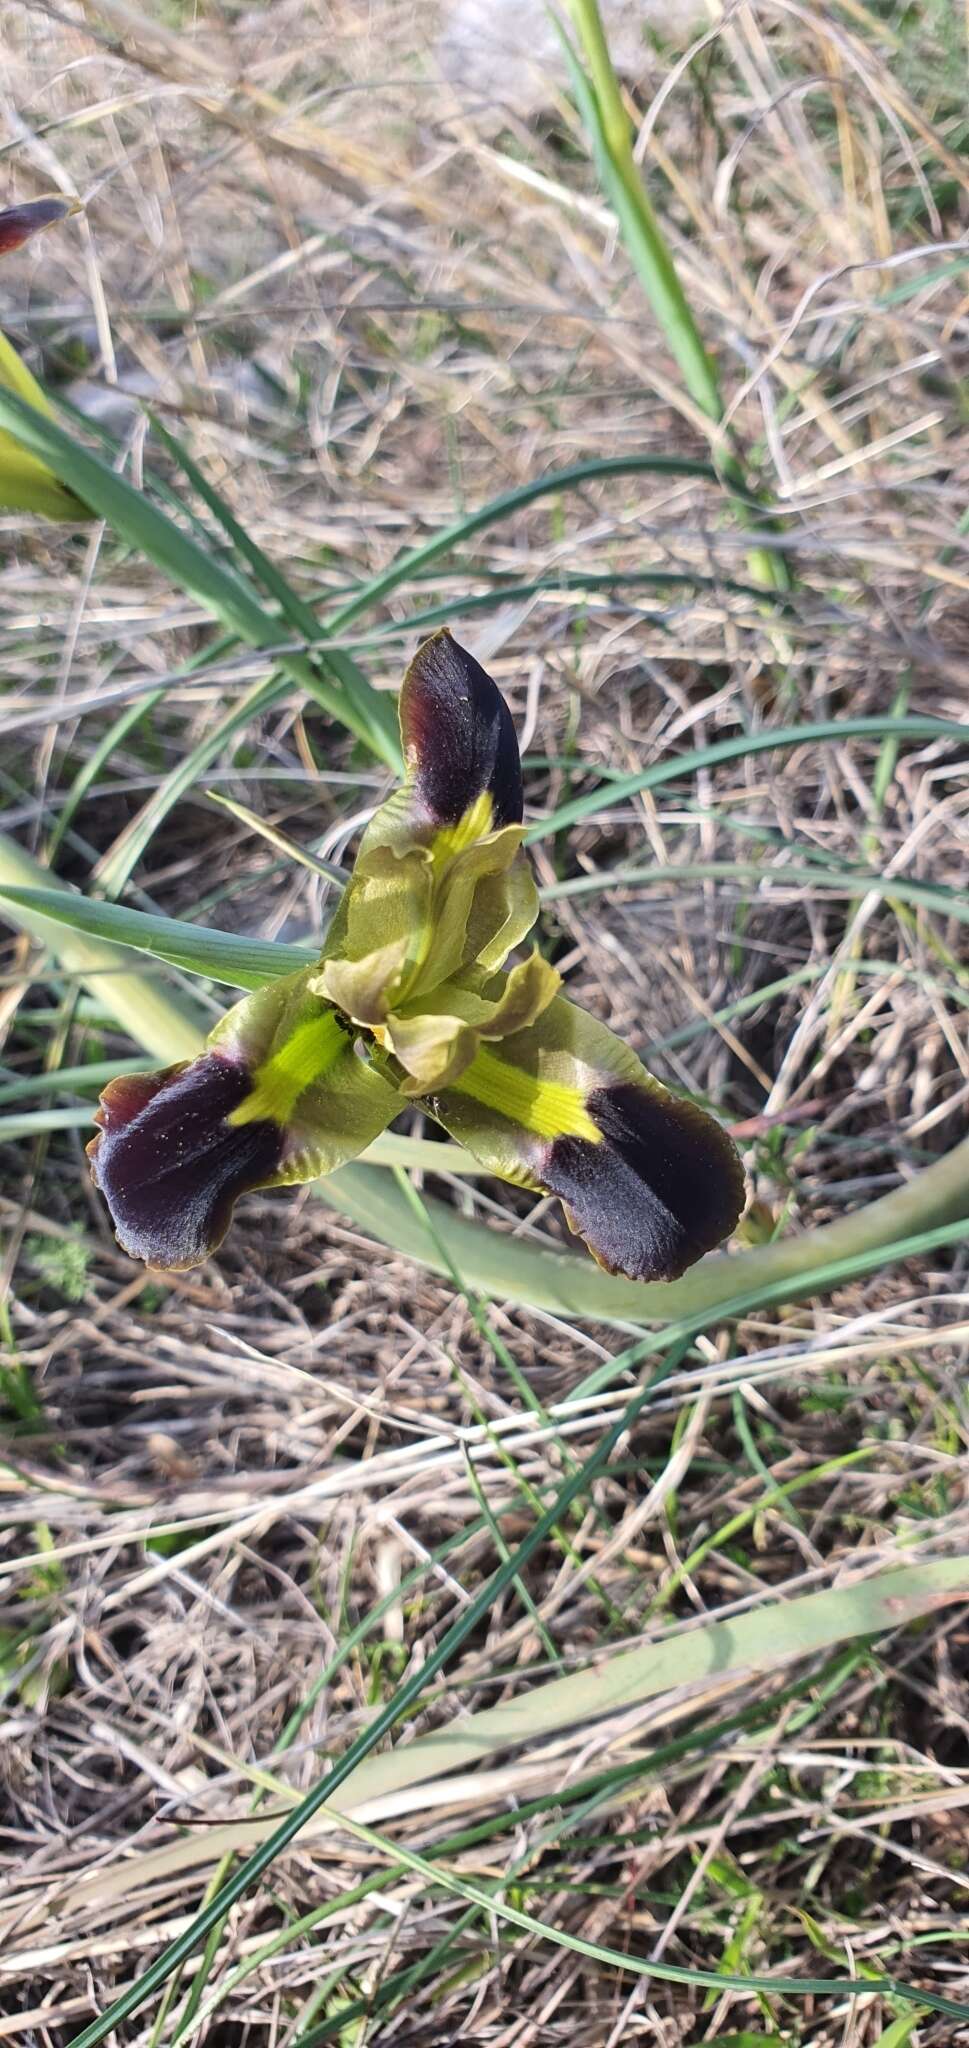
<point>664,1185</point>
<point>459,739</point>
<point>169,1163</point>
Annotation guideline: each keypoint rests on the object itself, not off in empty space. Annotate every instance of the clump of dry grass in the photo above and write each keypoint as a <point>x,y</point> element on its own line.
<point>366,308</point>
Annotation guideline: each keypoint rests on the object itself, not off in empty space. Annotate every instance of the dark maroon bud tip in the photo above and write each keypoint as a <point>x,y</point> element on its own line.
<point>459,739</point>
<point>18,223</point>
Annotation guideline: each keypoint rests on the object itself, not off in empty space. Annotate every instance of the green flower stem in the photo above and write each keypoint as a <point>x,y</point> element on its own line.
<point>651,254</point>
<point>600,104</point>
<point>926,1211</point>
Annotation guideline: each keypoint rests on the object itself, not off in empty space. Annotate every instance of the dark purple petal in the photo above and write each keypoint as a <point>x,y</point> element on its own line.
<point>171,1166</point>
<point>18,223</point>
<point>662,1187</point>
<point>459,740</point>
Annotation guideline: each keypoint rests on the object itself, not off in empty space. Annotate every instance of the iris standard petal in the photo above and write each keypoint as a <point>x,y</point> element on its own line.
<point>459,740</point>
<point>440,881</point>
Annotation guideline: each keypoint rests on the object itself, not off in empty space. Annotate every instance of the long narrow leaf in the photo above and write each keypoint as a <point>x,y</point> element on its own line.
<point>165,1023</point>
<point>223,592</point>
<point>605,117</point>
<point>766,741</point>
<point>416,560</point>
<point>196,948</point>
<point>938,896</point>
<point>763,1641</point>
<point>291,605</point>
<point>599,99</point>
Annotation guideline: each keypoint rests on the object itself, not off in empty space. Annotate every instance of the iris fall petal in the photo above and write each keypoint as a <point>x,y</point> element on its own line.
<point>278,1097</point>
<point>650,1181</point>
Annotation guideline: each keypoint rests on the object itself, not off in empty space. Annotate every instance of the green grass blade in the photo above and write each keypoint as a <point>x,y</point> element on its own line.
<point>142,525</point>
<point>72,1080</point>
<point>605,117</point>
<point>687,765</point>
<point>243,963</point>
<point>622,1960</point>
<point>114,870</point>
<point>224,594</point>
<point>292,607</point>
<point>599,99</point>
<point>164,1022</point>
<point>764,1640</point>
<point>381,1724</point>
<point>90,769</point>
<point>799,978</point>
<point>416,560</point>
<point>33,1121</point>
<point>938,896</point>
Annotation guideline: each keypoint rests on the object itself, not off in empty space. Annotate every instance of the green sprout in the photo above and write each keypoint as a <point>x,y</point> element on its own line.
<point>411,1003</point>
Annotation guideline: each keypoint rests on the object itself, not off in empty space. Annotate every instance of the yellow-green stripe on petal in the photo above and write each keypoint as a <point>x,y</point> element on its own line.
<point>475,823</point>
<point>546,1109</point>
<point>306,1056</point>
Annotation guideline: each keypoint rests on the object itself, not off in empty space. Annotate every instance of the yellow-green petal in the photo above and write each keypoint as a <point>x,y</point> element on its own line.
<point>439,1037</point>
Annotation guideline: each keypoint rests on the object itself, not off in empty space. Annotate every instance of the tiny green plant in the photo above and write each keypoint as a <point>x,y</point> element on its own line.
<point>410,1003</point>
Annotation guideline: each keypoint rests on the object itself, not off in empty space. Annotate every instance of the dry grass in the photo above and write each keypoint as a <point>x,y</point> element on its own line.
<point>368,302</point>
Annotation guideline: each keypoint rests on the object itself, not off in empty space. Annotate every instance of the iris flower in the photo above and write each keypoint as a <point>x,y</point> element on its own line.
<point>412,1002</point>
